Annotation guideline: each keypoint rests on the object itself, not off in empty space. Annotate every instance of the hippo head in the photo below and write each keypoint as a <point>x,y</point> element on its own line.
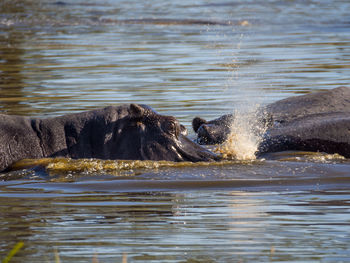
<point>212,132</point>
<point>217,131</point>
<point>148,135</point>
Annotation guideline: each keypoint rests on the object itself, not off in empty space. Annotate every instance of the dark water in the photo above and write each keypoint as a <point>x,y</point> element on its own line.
<point>184,58</point>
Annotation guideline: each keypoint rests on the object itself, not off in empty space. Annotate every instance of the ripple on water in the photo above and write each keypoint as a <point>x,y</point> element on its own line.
<point>61,58</point>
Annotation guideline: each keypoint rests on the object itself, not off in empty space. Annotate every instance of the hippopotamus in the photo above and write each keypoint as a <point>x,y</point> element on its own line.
<point>130,132</point>
<point>319,121</point>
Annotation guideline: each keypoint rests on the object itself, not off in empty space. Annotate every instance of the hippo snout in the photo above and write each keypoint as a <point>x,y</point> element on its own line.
<point>211,134</point>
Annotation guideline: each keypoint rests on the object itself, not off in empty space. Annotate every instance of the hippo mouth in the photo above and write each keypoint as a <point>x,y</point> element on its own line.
<point>179,150</point>
<point>191,151</point>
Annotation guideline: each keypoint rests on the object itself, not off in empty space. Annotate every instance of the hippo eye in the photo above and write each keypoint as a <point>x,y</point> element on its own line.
<point>171,128</point>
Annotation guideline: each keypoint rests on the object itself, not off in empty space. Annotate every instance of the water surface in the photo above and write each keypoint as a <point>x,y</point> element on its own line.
<point>186,59</point>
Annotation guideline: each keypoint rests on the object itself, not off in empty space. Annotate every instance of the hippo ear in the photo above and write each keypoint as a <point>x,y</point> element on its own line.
<point>197,122</point>
<point>136,110</point>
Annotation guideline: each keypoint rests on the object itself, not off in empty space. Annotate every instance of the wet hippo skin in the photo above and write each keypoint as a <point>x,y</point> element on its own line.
<point>328,133</point>
<point>318,121</point>
<point>130,132</point>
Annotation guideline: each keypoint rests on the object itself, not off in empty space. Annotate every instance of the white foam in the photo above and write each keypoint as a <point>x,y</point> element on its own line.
<point>246,134</point>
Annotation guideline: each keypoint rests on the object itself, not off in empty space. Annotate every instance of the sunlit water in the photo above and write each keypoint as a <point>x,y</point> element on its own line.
<point>186,59</point>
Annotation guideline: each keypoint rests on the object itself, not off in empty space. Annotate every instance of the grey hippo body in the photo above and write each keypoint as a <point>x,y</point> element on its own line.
<point>318,121</point>
<point>130,132</point>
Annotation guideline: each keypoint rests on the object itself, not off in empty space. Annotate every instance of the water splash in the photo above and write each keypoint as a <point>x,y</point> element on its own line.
<point>115,167</point>
<point>247,130</point>
<point>313,157</point>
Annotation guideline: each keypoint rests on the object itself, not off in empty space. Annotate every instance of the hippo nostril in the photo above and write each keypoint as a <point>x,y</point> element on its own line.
<point>200,141</point>
<point>203,131</point>
<point>204,136</point>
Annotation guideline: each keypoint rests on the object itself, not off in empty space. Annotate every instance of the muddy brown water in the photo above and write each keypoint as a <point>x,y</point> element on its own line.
<point>186,59</point>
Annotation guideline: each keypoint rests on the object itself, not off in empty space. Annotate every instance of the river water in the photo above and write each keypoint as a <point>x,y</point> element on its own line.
<point>183,58</point>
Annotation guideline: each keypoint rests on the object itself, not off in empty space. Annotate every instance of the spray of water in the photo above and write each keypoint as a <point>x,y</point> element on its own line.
<point>248,126</point>
<point>247,130</point>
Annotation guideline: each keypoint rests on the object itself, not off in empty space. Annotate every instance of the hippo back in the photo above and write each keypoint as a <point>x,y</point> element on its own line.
<point>330,101</point>
<point>328,133</point>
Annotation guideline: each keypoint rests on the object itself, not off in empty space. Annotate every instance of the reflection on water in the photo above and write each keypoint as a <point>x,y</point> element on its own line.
<point>185,59</point>
<point>180,227</point>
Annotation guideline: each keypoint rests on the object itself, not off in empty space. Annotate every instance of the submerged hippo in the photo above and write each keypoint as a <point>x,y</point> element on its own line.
<point>133,132</point>
<point>318,121</point>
